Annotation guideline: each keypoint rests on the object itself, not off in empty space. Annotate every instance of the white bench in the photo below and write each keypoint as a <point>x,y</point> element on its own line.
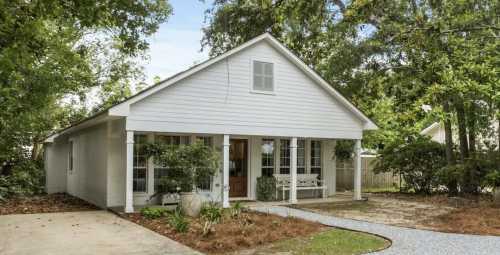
<point>304,182</point>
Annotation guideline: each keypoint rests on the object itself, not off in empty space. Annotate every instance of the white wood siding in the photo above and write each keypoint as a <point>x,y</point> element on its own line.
<point>205,103</point>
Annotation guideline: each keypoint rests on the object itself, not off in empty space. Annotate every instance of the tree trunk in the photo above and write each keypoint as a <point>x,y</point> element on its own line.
<point>448,135</point>
<point>450,157</point>
<point>462,130</point>
<point>472,128</point>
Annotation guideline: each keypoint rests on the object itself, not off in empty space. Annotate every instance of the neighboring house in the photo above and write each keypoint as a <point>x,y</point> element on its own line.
<point>258,104</point>
<point>437,133</point>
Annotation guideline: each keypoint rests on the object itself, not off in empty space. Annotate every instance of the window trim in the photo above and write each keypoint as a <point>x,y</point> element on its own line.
<point>263,92</point>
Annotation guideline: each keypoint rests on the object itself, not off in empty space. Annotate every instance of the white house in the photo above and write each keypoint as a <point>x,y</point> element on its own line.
<point>436,132</point>
<point>259,104</point>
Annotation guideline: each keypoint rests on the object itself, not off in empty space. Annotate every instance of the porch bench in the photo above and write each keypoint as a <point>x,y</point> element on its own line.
<point>304,182</point>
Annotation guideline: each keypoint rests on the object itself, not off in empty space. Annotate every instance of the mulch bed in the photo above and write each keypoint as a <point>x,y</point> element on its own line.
<point>59,202</point>
<point>248,230</point>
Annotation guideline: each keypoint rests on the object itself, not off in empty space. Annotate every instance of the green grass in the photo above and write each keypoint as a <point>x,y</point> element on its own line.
<point>332,242</point>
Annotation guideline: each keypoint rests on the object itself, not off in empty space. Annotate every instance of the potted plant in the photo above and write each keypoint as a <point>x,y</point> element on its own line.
<point>188,166</point>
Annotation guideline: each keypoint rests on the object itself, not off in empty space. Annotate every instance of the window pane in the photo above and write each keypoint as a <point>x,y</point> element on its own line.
<point>268,83</point>
<point>316,158</point>
<point>258,82</point>
<point>268,69</point>
<point>258,67</point>
<point>206,183</point>
<point>284,156</point>
<point>301,154</point>
<point>140,164</point>
<point>267,149</point>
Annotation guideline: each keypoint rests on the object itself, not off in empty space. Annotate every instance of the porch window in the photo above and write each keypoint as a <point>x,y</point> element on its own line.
<point>140,164</point>
<point>263,79</point>
<point>301,156</point>
<point>161,169</point>
<point>206,184</point>
<point>316,158</point>
<point>284,156</point>
<point>267,152</point>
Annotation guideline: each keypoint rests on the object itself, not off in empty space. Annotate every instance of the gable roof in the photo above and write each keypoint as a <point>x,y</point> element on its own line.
<point>123,108</point>
<point>431,127</point>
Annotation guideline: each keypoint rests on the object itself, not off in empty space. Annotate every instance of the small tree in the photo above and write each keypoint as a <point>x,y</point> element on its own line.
<point>188,165</point>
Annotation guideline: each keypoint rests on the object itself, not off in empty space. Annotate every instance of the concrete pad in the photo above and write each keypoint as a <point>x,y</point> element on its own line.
<point>92,232</point>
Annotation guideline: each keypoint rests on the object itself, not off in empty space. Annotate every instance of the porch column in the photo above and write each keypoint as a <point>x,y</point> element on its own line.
<point>129,193</point>
<point>357,170</point>
<point>293,171</point>
<point>225,172</point>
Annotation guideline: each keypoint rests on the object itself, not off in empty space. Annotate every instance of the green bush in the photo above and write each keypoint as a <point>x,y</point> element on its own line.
<point>418,162</point>
<point>266,188</point>
<point>178,221</point>
<point>153,212</point>
<point>26,178</point>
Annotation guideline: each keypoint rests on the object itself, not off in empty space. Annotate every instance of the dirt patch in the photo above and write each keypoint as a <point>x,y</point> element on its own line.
<point>59,202</point>
<point>249,230</point>
<point>437,212</point>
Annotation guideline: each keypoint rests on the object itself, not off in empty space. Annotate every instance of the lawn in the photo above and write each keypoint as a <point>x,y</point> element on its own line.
<point>334,241</point>
<point>260,233</point>
<point>474,215</point>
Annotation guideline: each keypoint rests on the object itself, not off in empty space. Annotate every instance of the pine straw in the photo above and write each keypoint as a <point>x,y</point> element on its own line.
<point>249,230</point>
<point>59,202</point>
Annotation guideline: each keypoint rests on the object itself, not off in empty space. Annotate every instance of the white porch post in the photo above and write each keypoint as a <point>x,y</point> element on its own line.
<point>293,171</point>
<point>129,193</point>
<point>225,172</point>
<point>357,170</point>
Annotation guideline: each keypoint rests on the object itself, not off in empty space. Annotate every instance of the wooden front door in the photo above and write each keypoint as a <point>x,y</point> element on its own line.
<point>238,167</point>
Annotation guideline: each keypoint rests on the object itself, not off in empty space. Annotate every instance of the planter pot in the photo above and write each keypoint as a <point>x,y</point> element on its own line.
<point>191,203</point>
<point>496,196</point>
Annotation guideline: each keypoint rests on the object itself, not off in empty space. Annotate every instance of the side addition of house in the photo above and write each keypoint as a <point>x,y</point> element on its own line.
<point>265,110</point>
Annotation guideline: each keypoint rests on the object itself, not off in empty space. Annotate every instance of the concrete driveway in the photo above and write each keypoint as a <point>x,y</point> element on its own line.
<point>92,232</point>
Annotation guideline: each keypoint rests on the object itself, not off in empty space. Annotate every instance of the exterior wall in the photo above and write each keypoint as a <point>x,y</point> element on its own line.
<point>88,180</point>
<point>56,166</point>
<point>219,100</point>
<point>116,163</point>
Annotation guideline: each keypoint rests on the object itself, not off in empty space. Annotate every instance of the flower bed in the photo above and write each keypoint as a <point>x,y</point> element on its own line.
<point>246,230</point>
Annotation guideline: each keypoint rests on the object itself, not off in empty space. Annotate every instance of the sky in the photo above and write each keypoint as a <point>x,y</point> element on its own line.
<point>176,46</point>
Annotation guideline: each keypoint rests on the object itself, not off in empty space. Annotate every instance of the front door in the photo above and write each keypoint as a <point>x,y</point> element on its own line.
<point>238,167</point>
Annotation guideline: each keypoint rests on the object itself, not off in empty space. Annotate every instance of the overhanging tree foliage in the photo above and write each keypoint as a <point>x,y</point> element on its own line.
<point>51,51</point>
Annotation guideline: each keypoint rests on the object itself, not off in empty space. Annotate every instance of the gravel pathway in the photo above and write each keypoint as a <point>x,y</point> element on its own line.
<point>404,240</point>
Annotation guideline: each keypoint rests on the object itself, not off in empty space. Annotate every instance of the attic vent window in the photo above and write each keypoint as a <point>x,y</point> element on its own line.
<point>263,76</point>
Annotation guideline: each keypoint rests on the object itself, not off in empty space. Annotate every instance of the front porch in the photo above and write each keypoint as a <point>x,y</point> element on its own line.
<point>244,159</point>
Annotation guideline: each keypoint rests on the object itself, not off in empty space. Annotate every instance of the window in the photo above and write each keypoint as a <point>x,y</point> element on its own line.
<point>267,149</point>
<point>263,76</point>
<point>70,157</point>
<point>284,156</point>
<point>301,156</point>
<point>140,164</point>
<point>161,170</point>
<point>206,184</point>
<point>316,158</point>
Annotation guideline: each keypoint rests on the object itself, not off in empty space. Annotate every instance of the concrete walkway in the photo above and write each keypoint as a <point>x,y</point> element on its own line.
<point>92,232</point>
<point>404,240</point>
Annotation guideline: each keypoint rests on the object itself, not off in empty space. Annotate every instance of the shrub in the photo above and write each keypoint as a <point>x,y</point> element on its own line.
<point>178,221</point>
<point>26,178</point>
<point>236,209</point>
<point>211,214</point>
<point>153,212</point>
<point>418,162</point>
<point>266,188</point>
